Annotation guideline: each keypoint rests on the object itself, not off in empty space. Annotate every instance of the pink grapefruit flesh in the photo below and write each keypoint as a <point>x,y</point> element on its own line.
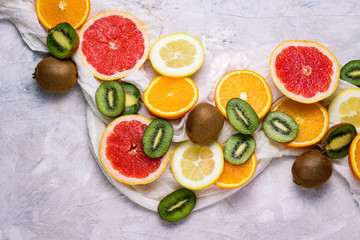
<point>304,71</point>
<point>112,44</point>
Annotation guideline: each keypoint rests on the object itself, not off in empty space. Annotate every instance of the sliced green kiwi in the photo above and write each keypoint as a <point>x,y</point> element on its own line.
<point>62,41</point>
<point>239,148</point>
<point>337,140</point>
<point>110,98</point>
<point>157,138</point>
<point>132,98</point>
<point>242,116</point>
<point>350,72</point>
<point>280,127</point>
<point>177,205</point>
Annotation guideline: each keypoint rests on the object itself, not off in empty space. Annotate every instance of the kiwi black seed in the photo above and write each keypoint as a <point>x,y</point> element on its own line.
<point>280,127</point>
<point>62,41</point>
<point>242,116</point>
<point>204,123</point>
<point>337,140</point>
<point>311,169</point>
<point>157,138</point>
<point>110,98</point>
<point>177,205</point>
<point>239,148</point>
<point>132,98</point>
<point>55,75</point>
<point>350,72</point>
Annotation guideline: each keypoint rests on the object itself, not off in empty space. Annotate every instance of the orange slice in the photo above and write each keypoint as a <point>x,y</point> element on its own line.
<point>247,85</point>
<point>51,13</point>
<point>354,157</point>
<point>170,98</point>
<point>235,176</point>
<point>313,120</point>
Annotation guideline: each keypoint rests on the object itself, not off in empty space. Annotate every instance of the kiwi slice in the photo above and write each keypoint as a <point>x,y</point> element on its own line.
<point>132,98</point>
<point>110,98</point>
<point>157,138</point>
<point>337,140</point>
<point>350,72</point>
<point>239,148</point>
<point>280,127</point>
<point>62,41</point>
<point>177,205</point>
<point>242,116</point>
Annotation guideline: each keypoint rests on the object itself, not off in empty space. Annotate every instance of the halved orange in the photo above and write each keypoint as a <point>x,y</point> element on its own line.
<point>313,120</point>
<point>170,98</point>
<point>51,13</point>
<point>354,157</point>
<point>234,176</point>
<point>247,85</point>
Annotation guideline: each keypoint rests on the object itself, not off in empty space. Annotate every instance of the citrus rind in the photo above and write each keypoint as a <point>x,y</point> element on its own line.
<point>355,169</point>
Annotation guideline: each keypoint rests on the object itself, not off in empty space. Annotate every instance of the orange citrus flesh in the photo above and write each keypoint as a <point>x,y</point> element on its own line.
<point>235,176</point>
<point>51,13</point>
<point>313,121</point>
<point>248,86</point>
<point>354,157</point>
<point>170,98</point>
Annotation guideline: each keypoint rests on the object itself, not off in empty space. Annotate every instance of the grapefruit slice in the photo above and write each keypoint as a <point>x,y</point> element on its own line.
<point>112,44</point>
<point>122,154</point>
<point>304,71</point>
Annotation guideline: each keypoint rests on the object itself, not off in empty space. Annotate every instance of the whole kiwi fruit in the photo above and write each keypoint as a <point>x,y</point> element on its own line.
<point>204,123</point>
<point>55,75</point>
<point>312,169</point>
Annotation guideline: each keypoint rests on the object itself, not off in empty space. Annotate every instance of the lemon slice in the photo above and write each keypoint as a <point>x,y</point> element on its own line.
<point>197,166</point>
<point>345,108</point>
<point>177,55</point>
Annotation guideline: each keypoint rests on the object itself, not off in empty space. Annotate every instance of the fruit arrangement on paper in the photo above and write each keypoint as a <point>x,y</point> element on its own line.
<point>135,149</point>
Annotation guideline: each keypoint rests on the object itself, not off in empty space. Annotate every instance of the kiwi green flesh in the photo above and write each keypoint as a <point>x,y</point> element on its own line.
<point>311,169</point>
<point>132,96</point>
<point>62,41</point>
<point>204,123</point>
<point>350,72</point>
<point>177,205</point>
<point>157,138</point>
<point>239,148</point>
<point>280,127</point>
<point>55,75</point>
<point>242,116</point>
<point>338,139</point>
<point>110,99</point>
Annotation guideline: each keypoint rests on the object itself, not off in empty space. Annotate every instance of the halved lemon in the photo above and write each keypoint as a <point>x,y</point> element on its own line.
<point>345,108</point>
<point>197,166</point>
<point>177,55</point>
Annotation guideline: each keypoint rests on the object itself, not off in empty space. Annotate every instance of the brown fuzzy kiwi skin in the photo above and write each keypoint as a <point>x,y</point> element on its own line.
<point>55,75</point>
<point>204,123</point>
<point>311,169</point>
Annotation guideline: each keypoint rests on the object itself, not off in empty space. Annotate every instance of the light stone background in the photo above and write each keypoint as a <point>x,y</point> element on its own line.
<point>52,188</point>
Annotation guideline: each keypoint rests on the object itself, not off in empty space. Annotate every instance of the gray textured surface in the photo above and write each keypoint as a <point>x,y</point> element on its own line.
<point>52,188</point>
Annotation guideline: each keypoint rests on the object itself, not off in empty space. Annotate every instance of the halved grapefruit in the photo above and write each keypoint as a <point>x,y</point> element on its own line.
<point>304,71</point>
<point>112,44</point>
<point>122,154</point>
